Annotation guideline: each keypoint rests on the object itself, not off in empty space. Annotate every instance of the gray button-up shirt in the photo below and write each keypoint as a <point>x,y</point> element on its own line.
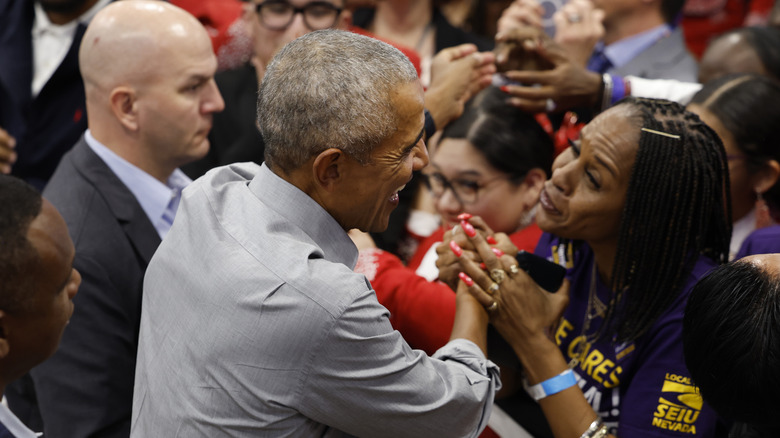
<point>254,324</point>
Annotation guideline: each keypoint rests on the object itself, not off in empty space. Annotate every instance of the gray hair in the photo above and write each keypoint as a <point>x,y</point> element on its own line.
<point>326,89</point>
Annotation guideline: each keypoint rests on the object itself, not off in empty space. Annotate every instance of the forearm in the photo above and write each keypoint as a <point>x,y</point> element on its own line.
<point>568,412</point>
<point>471,320</point>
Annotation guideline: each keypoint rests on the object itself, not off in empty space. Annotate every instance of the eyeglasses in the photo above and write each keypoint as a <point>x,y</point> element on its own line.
<point>465,191</point>
<point>278,15</point>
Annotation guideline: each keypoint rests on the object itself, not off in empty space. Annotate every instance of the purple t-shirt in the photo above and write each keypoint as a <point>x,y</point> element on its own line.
<point>640,388</point>
<point>762,241</point>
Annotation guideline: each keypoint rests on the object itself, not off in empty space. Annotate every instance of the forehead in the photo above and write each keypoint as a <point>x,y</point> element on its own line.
<point>459,155</point>
<point>613,135</point>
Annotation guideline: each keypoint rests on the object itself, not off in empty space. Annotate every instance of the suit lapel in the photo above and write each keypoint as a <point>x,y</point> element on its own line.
<point>128,212</point>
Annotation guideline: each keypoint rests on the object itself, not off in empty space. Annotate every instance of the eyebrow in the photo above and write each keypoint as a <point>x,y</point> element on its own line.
<point>601,161</point>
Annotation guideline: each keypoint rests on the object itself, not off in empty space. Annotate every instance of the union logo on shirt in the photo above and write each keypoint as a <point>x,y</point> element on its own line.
<point>680,406</point>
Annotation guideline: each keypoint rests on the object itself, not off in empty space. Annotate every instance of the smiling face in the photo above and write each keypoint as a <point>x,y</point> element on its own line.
<point>584,199</point>
<point>369,192</point>
<point>500,202</point>
<point>34,333</point>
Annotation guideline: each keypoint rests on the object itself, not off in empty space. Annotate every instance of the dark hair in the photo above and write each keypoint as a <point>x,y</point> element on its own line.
<point>731,341</point>
<point>765,40</point>
<point>21,203</point>
<point>510,139</point>
<point>677,207</point>
<point>670,9</point>
<point>747,106</point>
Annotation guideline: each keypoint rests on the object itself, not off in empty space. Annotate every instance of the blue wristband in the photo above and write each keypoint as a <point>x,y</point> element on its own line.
<point>618,89</point>
<point>553,385</point>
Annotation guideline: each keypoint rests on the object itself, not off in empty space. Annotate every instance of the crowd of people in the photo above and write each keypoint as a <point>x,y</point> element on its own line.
<point>318,218</point>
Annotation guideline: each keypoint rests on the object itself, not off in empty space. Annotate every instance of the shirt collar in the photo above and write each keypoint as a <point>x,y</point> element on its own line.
<point>42,24</point>
<point>621,52</point>
<point>153,195</point>
<point>305,213</point>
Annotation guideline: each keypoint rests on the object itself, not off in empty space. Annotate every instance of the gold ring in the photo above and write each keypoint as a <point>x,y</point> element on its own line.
<point>492,307</point>
<point>493,289</point>
<point>498,275</point>
<point>514,269</point>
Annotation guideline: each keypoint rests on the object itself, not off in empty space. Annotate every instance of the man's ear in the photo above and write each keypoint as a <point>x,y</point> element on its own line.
<point>124,106</point>
<point>328,168</point>
<point>5,346</point>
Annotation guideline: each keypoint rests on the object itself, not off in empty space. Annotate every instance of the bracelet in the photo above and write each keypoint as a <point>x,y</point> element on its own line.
<point>430,125</point>
<point>597,429</point>
<point>606,98</point>
<point>553,385</point>
<point>618,89</point>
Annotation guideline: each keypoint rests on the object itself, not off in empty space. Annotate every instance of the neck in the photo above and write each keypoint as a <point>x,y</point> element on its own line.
<point>134,152</point>
<point>403,21</point>
<point>625,26</point>
<point>66,16</point>
<point>604,256</point>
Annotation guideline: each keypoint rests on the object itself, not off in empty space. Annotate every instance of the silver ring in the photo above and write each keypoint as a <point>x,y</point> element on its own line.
<point>550,105</point>
<point>514,269</point>
<point>574,17</point>
<point>498,275</point>
<point>493,289</point>
<point>492,307</point>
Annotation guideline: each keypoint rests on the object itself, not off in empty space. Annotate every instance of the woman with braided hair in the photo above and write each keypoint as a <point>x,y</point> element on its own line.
<point>637,210</point>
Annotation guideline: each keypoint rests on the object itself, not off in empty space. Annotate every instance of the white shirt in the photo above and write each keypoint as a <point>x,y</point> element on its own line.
<point>51,42</point>
<point>156,198</point>
<point>14,425</point>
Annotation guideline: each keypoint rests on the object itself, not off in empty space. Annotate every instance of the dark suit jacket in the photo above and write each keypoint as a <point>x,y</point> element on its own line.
<point>86,388</point>
<point>49,125</point>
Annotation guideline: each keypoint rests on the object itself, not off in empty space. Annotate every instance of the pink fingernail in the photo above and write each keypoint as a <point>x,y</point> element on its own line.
<point>497,252</point>
<point>456,248</point>
<point>505,88</point>
<point>468,228</point>
<point>491,240</point>
<point>464,217</point>
<point>466,279</point>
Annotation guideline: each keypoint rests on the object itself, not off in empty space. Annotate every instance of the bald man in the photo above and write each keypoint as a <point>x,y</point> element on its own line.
<point>148,72</point>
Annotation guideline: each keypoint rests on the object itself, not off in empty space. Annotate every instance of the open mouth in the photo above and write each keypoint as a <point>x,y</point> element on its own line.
<point>394,197</point>
<point>547,204</point>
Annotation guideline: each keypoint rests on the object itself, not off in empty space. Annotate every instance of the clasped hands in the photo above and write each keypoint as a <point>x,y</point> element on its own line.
<point>488,272</point>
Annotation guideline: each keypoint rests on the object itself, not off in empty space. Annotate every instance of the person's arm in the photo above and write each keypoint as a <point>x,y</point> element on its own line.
<point>457,73</point>
<point>386,389</point>
<point>523,315</point>
<point>421,310</point>
<point>86,388</point>
<point>7,154</point>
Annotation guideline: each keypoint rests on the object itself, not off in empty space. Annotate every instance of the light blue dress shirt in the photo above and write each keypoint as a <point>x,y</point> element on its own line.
<point>622,52</point>
<point>159,201</point>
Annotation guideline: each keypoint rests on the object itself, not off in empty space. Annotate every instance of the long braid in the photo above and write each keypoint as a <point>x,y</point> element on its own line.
<point>677,207</point>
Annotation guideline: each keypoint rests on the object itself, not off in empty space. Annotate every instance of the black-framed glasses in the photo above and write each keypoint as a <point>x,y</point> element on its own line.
<point>465,191</point>
<point>279,14</point>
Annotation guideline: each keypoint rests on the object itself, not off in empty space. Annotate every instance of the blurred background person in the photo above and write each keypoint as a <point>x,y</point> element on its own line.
<point>743,111</point>
<point>731,338</point>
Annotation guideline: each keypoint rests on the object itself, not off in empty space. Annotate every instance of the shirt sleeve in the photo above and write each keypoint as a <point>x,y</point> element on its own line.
<point>423,311</point>
<point>365,371</point>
